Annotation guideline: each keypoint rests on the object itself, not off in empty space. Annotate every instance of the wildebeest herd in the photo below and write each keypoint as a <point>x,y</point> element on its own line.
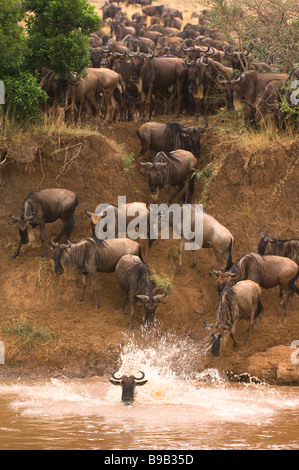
<point>154,63</point>
<point>133,69</point>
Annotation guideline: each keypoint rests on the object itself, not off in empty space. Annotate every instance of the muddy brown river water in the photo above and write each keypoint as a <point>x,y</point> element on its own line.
<point>174,410</point>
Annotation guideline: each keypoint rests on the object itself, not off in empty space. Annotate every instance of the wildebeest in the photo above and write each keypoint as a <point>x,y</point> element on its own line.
<point>268,271</point>
<point>239,302</point>
<point>274,246</point>
<point>44,207</point>
<point>75,93</point>
<point>157,136</point>
<point>267,103</point>
<point>171,169</point>
<point>202,75</point>
<point>133,276</point>
<point>126,213</point>
<point>93,255</point>
<point>158,74</point>
<point>214,236</point>
<point>128,384</point>
<point>247,87</point>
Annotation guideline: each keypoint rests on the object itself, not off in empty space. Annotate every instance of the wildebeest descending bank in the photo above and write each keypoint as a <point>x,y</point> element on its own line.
<point>43,207</point>
<point>133,276</point>
<point>93,255</point>
<point>157,136</point>
<point>274,246</point>
<point>268,271</point>
<point>171,169</point>
<point>239,302</point>
<point>214,236</point>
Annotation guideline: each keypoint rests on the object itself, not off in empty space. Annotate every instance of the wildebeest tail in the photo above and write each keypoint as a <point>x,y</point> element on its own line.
<point>140,255</point>
<point>126,95</point>
<point>259,309</point>
<point>229,260</point>
<point>292,283</point>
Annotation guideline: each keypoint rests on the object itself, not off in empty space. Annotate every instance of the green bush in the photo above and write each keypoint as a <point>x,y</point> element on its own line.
<point>23,96</point>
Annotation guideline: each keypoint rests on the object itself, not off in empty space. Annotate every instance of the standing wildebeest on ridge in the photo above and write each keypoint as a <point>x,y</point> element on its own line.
<point>239,302</point>
<point>268,271</point>
<point>128,385</point>
<point>133,276</point>
<point>44,207</point>
<point>247,87</point>
<point>171,169</point>
<point>158,74</point>
<point>157,136</point>
<point>93,255</point>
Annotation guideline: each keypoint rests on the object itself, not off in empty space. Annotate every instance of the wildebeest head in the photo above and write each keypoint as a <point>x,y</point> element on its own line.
<point>225,279</point>
<point>216,336</point>
<point>263,243</point>
<point>128,385</point>
<point>155,175</point>
<point>139,59</point>
<point>230,88</point>
<point>23,225</point>
<point>150,306</point>
<point>58,252</point>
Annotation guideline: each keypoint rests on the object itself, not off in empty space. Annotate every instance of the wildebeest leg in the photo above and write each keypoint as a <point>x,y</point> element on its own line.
<point>17,252</point>
<point>123,305</point>
<point>94,275</point>
<point>194,260</point>
<point>181,250</point>
<point>285,302</point>
<point>144,148</point>
<point>233,332</point>
<point>176,192</point>
<point>84,283</point>
<point>131,313</point>
<point>42,236</point>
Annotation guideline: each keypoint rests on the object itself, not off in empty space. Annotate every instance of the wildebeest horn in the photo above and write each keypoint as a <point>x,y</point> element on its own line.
<point>65,245</point>
<point>210,326</point>
<point>201,128</point>
<point>232,275</point>
<point>159,296</point>
<point>147,165</point>
<point>116,378</point>
<point>217,273</point>
<point>202,60</point>
<point>221,82</point>
<point>15,219</point>
<point>237,79</point>
<point>90,214</point>
<point>3,161</point>
<point>142,297</point>
<point>142,376</point>
<point>54,243</point>
<point>160,165</point>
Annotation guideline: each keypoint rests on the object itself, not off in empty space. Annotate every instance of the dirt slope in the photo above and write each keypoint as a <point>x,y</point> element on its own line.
<point>244,190</point>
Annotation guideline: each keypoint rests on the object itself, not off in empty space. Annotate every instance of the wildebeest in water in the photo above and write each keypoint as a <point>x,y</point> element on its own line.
<point>128,385</point>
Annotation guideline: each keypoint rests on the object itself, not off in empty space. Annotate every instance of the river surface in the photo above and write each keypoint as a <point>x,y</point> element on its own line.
<point>174,410</point>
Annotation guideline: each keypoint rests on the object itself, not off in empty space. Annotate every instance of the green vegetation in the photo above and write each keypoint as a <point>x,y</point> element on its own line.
<point>55,37</point>
<point>162,283</point>
<point>27,332</point>
<point>128,160</point>
<point>58,35</point>
<point>268,28</point>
